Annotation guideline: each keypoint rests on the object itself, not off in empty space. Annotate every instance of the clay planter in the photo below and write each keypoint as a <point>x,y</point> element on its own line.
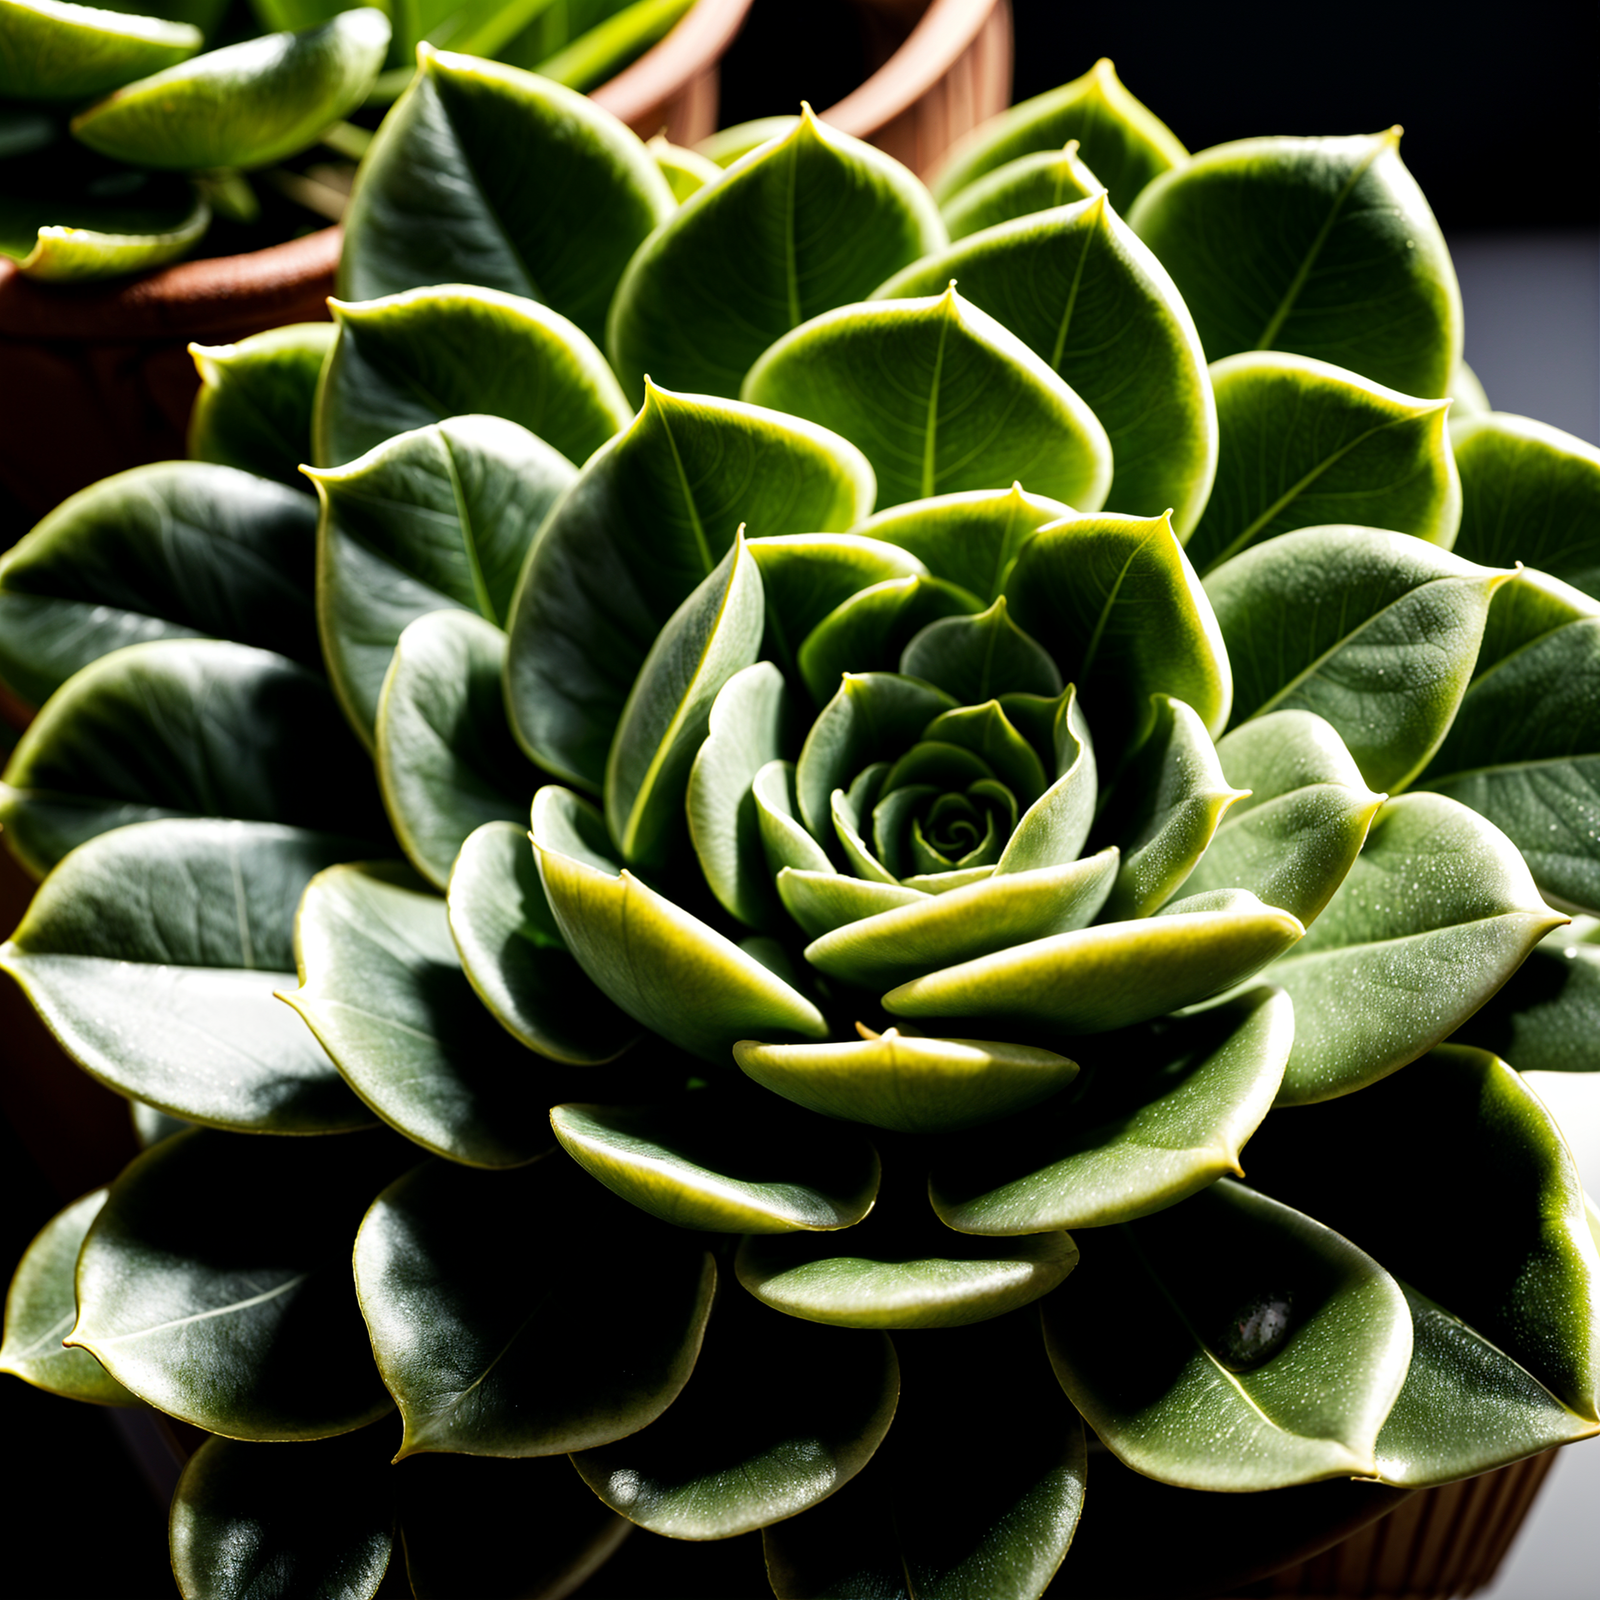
<point>98,378</point>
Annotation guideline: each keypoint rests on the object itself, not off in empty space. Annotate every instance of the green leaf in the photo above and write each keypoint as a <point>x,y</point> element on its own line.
<point>979,658</point>
<point>1322,247</point>
<point>1497,1411</point>
<point>971,407</point>
<point>238,1315</point>
<point>1526,607</point>
<point>1172,798</point>
<point>1160,1114</point>
<point>467,1348</point>
<point>601,52</point>
<point>1547,1016</point>
<point>1252,1347</point>
<point>1516,1261</point>
<point>1117,604</point>
<point>486,174</point>
<point>1111,976</point>
<point>1053,829</point>
<point>901,1269</point>
<point>152,952</point>
<point>918,1522</point>
<point>1524,750</point>
<point>1436,914</point>
<point>968,539</point>
<point>1118,138</point>
<point>247,105</point>
<point>429,354</point>
<point>894,946</point>
<point>447,763</point>
<point>752,257</point>
<point>1373,631</point>
<point>912,1085</point>
<point>1080,290</point>
<point>748,728</point>
<point>686,171</point>
<point>714,634</point>
<point>726,1165</point>
<point>55,51</point>
<point>436,519</point>
<point>1529,493</point>
<point>514,956</point>
<point>160,552</point>
<point>1040,181</point>
<point>1304,443</point>
<point>41,1309</point>
<point>727,145</point>
<point>382,988</point>
<point>739,1450</point>
<point>647,521</point>
<point>184,728</point>
<point>84,243</point>
<point>1301,821</point>
<point>249,1521</point>
<point>255,402</point>
<point>660,964</point>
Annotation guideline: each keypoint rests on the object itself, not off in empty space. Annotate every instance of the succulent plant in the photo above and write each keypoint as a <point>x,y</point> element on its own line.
<point>123,130</point>
<point>1055,803</point>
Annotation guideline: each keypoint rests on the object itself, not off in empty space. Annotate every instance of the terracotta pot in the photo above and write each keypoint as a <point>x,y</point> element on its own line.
<point>98,378</point>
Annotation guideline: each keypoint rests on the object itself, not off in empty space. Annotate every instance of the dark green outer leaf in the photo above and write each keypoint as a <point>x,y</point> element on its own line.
<point>753,256</point>
<point>41,1309</point>
<point>255,402</point>
<point>69,56</point>
<point>160,552</point>
<point>485,174</point>
<point>1547,1017</point>
<point>646,522</point>
<point>1323,247</point>
<point>1040,181</point>
<point>238,1315</point>
<point>184,727</point>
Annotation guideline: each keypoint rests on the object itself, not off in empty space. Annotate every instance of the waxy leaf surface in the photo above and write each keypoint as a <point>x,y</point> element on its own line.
<point>1547,1017</point>
<point>55,51</point>
<point>1039,181</point>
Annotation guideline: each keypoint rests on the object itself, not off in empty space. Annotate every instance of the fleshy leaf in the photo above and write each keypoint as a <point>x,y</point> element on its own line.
<point>647,521</point>
<point>1116,602</point>
<point>467,1352</point>
<point>1252,1348</point>
<point>1160,1115</point>
<point>1176,797</point>
<point>245,105</point>
<point>980,658</point>
<point>736,1166</point>
<point>660,964</point>
<point>159,552</point>
<point>1053,829</point>
<point>820,899</point>
<point>917,1525</point>
<point>1080,290</point>
<point>41,1308</point>
<point>757,254</point>
<point>1119,139</point>
<point>1109,976</point>
<point>1323,247</point>
<point>686,171</point>
<point>1437,912</point>
<point>1039,181</point>
<point>382,988</point>
<point>1304,444</point>
<point>714,634</point>
<point>747,730</point>
<point>244,1513</point>
<point>1519,1265</point>
<point>51,51</point>
<point>238,1315</point>
<point>447,763</point>
<point>429,354</point>
<point>106,240</point>
<point>784,841</point>
<point>913,1085</point>
<point>1547,1017</point>
<point>1373,631</point>
<point>737,1451</point>
<point>971,407</point>
<point>256,398</point>
<point>153,951</point>
<point>486,174</point>
<point>184,728</point>
<point>514,956</point>
<point>968,539</point>
<point>1529,493</point>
